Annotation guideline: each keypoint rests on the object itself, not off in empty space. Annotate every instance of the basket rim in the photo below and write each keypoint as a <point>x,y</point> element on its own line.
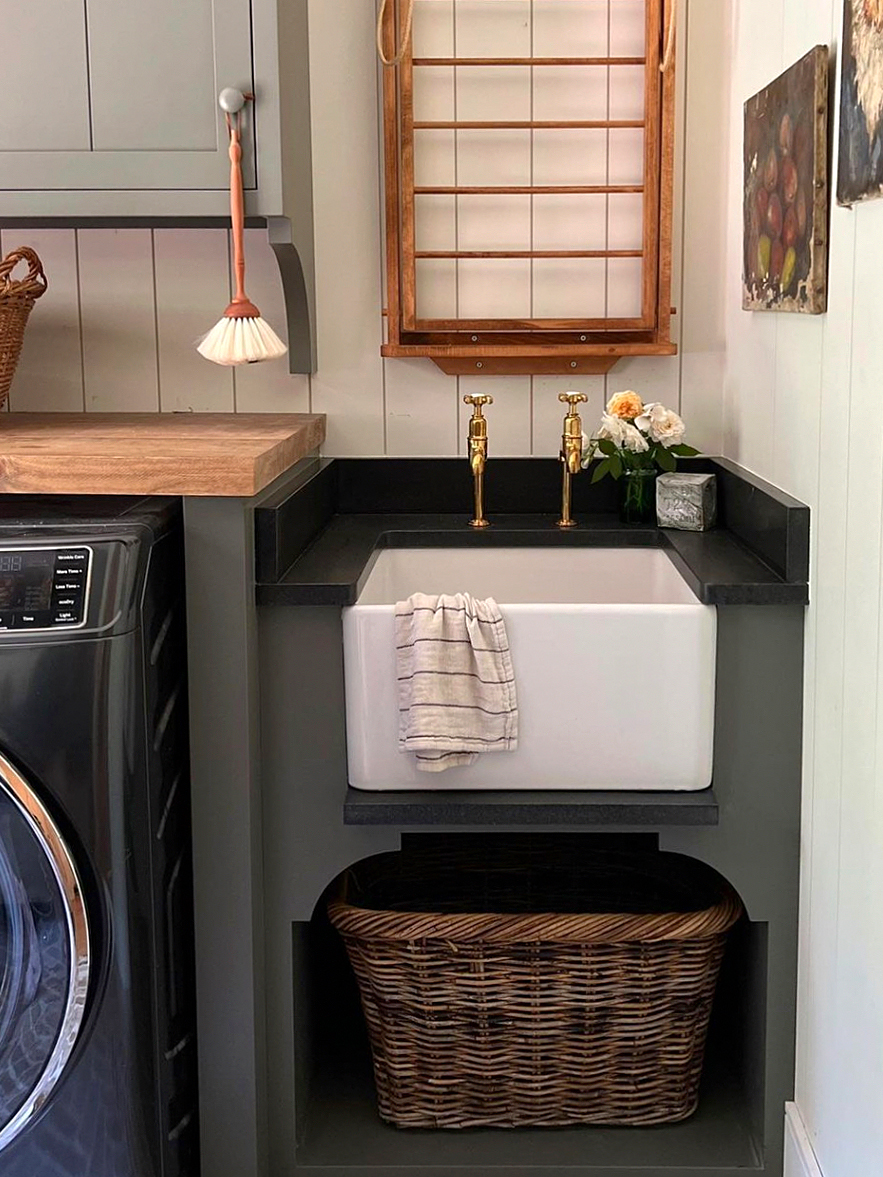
<point>539,927</point>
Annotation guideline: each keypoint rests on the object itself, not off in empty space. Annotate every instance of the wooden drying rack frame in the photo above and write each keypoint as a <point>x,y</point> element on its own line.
<point>529,346</point>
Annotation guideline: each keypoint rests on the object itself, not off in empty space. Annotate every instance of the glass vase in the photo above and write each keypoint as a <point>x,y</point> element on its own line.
<point>637,503</point>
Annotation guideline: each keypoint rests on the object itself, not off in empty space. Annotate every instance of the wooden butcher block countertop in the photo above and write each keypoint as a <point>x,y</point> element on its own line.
<point>152,453</point>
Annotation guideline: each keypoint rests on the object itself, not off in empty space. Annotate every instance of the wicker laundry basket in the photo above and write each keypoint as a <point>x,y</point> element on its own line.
<point>508,990</point>
<point>17,298</point>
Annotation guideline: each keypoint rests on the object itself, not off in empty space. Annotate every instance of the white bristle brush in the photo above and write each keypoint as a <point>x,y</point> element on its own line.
<point>241,336</point>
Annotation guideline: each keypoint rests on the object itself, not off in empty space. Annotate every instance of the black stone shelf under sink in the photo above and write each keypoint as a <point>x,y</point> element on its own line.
<point>528,808</point>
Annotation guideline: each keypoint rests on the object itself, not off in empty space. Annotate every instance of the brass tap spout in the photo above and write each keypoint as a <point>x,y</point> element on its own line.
<point>571,452</point>
<point>478,453</point>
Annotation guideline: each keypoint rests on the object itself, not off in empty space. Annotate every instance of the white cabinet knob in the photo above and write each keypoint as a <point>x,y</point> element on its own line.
<point>231,100</point>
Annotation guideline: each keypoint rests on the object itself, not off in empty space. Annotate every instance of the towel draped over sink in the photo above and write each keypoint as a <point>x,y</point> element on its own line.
<point>456,685</point>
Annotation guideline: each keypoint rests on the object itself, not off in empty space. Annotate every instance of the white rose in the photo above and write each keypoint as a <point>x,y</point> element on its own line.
<point>612,429</point>
<point>662,424</point>
<point>634,441</point>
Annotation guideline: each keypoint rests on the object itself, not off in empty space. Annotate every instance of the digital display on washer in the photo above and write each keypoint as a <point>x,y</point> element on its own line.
<point>43,588</point>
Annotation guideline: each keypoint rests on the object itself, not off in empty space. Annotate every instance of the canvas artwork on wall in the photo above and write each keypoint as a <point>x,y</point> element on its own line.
<point>860,172</point>
<point>786,191</point>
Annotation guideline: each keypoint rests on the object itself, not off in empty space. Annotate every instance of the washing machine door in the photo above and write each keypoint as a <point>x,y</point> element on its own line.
<point>44,954</point>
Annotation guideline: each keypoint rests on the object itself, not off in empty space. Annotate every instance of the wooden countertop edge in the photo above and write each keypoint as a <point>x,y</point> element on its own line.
<point>229,467</point>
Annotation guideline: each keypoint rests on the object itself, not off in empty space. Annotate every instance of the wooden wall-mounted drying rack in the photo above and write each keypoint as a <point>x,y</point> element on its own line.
<point>535,344</point>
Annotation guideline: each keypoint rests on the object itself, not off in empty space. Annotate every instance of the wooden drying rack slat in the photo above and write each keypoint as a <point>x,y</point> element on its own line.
<point>530,190</point>
<point>494,254</point>
<point>539,61</point>
<point>579,331</point>
<point>547,125</point>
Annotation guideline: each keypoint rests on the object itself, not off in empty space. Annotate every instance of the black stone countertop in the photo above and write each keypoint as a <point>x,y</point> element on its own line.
<point>316,544</point>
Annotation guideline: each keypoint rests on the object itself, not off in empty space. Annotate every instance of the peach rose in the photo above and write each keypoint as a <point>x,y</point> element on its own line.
<point>626,405</point>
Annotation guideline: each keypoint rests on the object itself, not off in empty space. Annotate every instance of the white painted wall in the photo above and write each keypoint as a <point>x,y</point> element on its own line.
<point>117,330</point>
<point>801,408</point>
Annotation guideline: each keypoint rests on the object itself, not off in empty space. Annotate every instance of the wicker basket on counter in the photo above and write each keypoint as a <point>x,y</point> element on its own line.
<point>17,298</point>
<point>510,991</point>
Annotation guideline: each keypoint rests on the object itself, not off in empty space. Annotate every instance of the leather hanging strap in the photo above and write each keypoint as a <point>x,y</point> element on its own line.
<point>406,34</point>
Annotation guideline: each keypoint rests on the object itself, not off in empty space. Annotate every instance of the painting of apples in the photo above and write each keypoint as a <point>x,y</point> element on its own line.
<point>786,191</point>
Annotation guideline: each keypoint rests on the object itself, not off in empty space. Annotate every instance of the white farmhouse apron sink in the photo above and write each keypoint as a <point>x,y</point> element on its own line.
<point>614,661</point>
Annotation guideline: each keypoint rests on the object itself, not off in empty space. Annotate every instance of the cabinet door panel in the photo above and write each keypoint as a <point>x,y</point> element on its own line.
<point>149,92</point>
<point>45,103</point>
<point>153,75</point>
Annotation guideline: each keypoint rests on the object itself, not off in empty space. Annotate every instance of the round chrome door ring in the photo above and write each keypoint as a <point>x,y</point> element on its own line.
<point>53,845</point>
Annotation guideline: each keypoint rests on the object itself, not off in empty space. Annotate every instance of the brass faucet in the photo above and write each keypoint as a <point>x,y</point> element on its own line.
<point>478,453</point>
<point>571,451</point>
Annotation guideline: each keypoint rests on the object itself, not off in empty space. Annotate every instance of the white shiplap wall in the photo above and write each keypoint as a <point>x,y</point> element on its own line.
<point>117,330</point>
<point>802,408</point>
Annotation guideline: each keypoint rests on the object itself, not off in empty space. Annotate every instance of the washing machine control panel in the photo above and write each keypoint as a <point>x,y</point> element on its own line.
<point>44,588</point>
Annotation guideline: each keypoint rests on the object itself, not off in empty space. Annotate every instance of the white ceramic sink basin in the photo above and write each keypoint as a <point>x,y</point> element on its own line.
<point>614,659</point>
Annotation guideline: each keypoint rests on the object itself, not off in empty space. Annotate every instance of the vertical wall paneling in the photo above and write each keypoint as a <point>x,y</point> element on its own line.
<point>701,240</point>
<point>119,320</point>
<point>50,372</point>
<point>857,1021</point>
<point>548,412</point>
<point>192,291</point>
<point>421,410</point>
<point>749,405</point>
<point>268,388</point>
<point>346,152</point>
<point>800,396</point>
<point>509,415</point>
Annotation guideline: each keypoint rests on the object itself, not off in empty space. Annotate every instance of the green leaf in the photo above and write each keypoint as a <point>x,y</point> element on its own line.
<point>683,451</point>
<point>606,446</point>
<point>616,465</point>
<point>666,459</point>
<point>601,470</point>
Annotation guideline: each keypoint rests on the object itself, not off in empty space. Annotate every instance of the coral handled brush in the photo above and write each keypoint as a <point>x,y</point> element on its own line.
<point>241,336</point>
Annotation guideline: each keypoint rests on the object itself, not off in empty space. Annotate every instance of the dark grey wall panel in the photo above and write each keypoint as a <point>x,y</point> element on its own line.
<point>306,844</point>
<point>756,845</point>
<point>227,835</point>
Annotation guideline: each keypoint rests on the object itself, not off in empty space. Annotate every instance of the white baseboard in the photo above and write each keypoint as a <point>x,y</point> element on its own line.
<point>800,1160</point>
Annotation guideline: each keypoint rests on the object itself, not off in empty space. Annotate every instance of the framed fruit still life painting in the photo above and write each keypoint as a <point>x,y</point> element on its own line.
<point>785,266</point>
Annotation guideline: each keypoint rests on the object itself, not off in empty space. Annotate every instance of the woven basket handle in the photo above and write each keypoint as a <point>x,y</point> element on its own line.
<point>36,283</point>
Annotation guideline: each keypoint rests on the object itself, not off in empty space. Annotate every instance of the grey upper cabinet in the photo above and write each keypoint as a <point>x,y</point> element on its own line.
<point>111,114</point>
<point>124,100</point>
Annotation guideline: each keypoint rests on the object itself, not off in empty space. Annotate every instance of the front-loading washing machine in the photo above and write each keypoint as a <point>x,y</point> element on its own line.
<point>97,1008</point>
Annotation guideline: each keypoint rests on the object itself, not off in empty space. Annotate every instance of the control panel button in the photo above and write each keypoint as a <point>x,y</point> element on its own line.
<point>67,601</point>
<point>68,585</point>
<point>5,621</point>
<point>75,555</point>
<point>39,619</point>
<point>65,617</point>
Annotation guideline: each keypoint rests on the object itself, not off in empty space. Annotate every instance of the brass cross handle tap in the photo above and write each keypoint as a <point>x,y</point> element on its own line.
<point>571,451</point>
<point>478,452</point>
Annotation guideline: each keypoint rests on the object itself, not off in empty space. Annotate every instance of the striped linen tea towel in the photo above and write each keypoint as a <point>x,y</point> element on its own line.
<point>457,695</point>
